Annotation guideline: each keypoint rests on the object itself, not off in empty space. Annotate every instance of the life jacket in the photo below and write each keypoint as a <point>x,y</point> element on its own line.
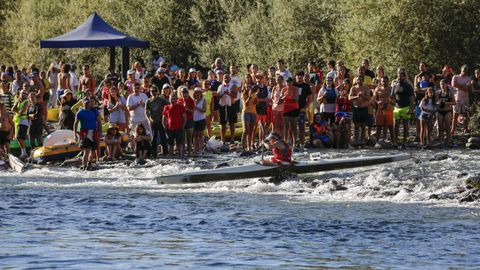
<point>330,96</point>
<point>319,128</point>
<point>343,105</point>
<point>17,118</point>
<point>290,104</point>
<point>282,155</point>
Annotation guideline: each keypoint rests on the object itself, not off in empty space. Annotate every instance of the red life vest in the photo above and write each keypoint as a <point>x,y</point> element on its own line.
<point>343,105</point>
<point>290,104</point>
<point>282,155</point>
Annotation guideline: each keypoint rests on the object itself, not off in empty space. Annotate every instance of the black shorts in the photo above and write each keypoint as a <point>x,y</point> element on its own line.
<point>175,136</point>
<point>189,124</point>
<point>236,105</point>
<point>86,143</point>
<point>36,130</point>
<point>294,113</point>
<point>4,137</point>
<point>105,111</point>
<point>199,125</point>
<point>360,115</point>
<point>228,113</point>
<point>216,104</point>
<point>22,132</point>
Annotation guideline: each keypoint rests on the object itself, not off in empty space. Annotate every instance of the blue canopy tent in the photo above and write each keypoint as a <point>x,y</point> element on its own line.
<point>96,33</point>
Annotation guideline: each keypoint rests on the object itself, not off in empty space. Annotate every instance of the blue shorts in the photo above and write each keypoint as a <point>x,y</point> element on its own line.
<point>249,117</point>
<point>418,111</point>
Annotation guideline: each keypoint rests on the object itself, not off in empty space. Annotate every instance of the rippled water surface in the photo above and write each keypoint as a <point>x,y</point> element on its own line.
<point>119,218</point>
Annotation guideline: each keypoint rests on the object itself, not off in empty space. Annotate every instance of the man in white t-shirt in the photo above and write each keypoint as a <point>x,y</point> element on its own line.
<point>227,93</point>
<point>237,82</point>
<point>136,105</point>
<point>282,71</point>
<point>463,86</point>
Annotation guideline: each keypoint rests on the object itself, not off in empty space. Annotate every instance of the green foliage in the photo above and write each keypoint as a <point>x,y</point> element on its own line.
<point>389,32</point>
<point>403,33</point>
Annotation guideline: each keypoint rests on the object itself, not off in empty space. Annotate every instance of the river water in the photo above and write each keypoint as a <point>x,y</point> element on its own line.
<point>120,218</point>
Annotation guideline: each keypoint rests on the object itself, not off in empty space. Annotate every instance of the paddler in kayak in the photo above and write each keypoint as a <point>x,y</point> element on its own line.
<point>280,148</point>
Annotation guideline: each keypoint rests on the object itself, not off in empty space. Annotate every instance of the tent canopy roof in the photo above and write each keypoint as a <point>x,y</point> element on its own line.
<point>93,33</point>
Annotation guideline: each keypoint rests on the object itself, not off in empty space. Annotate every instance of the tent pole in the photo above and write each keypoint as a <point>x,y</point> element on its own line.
<point>112,57</point>
<point>125,61</point>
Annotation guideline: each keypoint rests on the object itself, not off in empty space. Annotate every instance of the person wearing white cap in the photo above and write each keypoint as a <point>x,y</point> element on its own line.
<point>129,83</point>
<point>192,79</point>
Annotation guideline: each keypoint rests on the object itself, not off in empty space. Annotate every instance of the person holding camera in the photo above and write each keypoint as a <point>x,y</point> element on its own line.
<point>445,101</point>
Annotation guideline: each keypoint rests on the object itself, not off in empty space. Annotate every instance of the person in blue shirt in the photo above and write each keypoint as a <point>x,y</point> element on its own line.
<point>89,119</point>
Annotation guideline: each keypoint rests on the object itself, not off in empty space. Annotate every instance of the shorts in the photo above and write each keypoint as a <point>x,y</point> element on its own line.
<point>249,117</point>
<point>384,117</point>
<point>227,113</point>
<point>418,111</point>
<point>262,118</point>
<point>199,125</point>
<point>175,136</point>
<point>22,132</point>
<point>36,130</point>
<point>461,108</point>
<point>401,113</point>
<point>424,116</point>
<point>302,118</point>
<point>216,105</point>
<point>346,115</point>
<point>4,137</point>
<point>106,113</point>
<point>360,115</point>
<point>236,106</point>
<point>293,113</point>
<point>189,124</point>
<point>85,142</point>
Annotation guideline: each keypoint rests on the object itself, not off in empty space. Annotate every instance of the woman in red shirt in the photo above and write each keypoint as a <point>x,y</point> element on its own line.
<point>290,111</point>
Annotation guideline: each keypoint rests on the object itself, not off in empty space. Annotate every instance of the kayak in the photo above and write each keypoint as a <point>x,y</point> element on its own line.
<point>16,164</point>
<point>53,114</point>
<point>258,170</point>
<point>61,145</point>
